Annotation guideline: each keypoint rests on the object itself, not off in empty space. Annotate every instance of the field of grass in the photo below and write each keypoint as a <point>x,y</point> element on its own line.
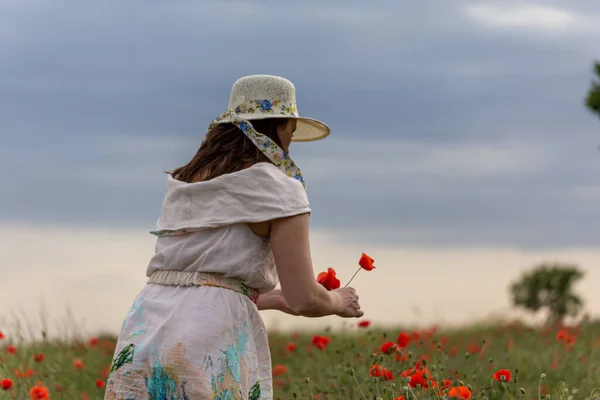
<point>502,361</point>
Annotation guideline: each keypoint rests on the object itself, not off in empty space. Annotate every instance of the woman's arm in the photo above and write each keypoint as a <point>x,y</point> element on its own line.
<point>274,300</point>
<point>306,297</point>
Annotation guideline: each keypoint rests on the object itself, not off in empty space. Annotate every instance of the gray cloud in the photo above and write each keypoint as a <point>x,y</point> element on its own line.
<point>445,130</point>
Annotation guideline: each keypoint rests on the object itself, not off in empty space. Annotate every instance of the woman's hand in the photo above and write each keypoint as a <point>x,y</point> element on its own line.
<point>350,308</point>
<point>274,300</point>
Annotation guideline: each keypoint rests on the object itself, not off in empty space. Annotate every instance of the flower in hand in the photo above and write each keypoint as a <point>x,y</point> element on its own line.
<point>328,279</point>
<point>365,263</point>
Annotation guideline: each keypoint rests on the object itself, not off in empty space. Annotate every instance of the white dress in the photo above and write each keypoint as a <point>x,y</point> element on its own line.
<point>194,331</point>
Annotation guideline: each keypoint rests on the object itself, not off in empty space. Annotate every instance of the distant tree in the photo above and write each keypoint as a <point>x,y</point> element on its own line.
<point>593,97</point>
<point>549,287</point>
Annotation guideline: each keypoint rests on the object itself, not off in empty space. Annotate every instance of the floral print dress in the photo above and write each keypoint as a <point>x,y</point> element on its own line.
<point>194,331</point>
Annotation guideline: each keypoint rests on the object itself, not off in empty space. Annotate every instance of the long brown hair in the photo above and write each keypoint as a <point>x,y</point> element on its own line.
<point>226,149</point>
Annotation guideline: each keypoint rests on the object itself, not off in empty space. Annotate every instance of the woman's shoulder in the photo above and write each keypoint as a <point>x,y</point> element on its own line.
<point>259,193</point>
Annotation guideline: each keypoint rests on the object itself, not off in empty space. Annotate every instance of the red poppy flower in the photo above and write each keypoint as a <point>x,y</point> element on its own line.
<point>1,335</point>
<point>569,340</point>
<point>562,334</point>
<point>366,262</point>
<point>99,384</point>
<point>24,374</point>
<point>328,279</point>
<point>78,364</point>
<point>320,342</point>
<point>388,347</point>
<point>446,383</point>
<point>290,347</point>
<point>10,349</point>
<point>39,392</point>
<point>418,378</point>
<point>403,340</point>
<point>502,375</point>
<point>38,357</point>
<point>279,369</point>
<point>378,371</point>
<point>364,323</point>
<point>399,398</point>
<point>6,384</point>
<point>93,342</point>
<point>462,392</point>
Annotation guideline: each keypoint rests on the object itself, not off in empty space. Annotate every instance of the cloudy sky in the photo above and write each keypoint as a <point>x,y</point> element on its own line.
<point>455,124</point>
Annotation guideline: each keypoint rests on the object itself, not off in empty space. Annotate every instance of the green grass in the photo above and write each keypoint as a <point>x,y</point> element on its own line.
<point>467,356</point>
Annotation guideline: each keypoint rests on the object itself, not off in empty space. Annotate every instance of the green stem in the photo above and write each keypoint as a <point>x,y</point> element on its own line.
<point>359,389</point>
<point>377,388</point>
<point>353,276</point>
<point>310,391</point>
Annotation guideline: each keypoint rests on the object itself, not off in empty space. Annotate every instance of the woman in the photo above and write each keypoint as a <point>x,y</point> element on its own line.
<point>234,223</point>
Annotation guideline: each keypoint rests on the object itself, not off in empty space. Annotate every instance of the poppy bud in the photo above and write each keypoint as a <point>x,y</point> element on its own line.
<point>522,390</point>
<point>351,372</point>
<point>543,377</point>
<point>306,380</point>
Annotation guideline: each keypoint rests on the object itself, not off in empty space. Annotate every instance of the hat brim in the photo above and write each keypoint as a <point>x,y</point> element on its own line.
<point>310,130</point>
<point>307,129</point>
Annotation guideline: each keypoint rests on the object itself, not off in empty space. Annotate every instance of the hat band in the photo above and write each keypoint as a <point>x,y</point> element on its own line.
<point>263,106</point>
<point>268,147</point>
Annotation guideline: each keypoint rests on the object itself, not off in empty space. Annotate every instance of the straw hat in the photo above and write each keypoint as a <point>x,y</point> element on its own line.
<point>266,96</point>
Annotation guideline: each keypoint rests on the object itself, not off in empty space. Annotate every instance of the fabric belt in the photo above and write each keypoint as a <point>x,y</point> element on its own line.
<point>181,278</point>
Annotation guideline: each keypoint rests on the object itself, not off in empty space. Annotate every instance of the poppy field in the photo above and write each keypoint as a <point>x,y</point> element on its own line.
<point>503,361</point>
